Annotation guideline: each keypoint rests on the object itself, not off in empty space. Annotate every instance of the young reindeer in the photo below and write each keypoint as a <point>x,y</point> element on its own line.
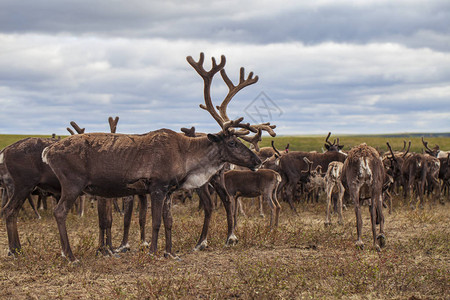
<point>333,182</point>
<point>363,168</point>
<point>245,183</point>
<point>158,162</point>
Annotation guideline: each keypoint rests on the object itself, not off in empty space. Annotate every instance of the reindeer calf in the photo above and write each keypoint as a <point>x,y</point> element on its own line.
<point>333,182</point>
<point>246,183</point>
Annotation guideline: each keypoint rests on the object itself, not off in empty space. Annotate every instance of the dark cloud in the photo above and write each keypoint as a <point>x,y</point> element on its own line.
<point>374,66</point>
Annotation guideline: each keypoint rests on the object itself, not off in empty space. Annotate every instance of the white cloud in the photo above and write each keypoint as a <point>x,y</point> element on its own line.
<point>328,65</point>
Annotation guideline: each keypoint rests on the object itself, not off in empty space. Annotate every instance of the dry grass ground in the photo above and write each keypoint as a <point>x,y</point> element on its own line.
<point>302,259</point>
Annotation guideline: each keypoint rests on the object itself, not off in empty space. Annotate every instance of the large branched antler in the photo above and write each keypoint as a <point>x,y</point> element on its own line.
<point>207,79</point>
<point>221,115</point>
<point>428,150</point>
<point>233,90</point>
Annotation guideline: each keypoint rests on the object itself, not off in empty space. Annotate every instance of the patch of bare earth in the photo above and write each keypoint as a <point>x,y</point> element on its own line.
<point>301,259</point>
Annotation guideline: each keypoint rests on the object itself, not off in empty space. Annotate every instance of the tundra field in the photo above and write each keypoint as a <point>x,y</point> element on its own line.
<point>300,259</point>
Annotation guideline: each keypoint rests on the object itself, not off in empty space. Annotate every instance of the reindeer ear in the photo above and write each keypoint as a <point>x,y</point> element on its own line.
<point>341,147</point>
<point>327,146</point>
<point>215,138</point>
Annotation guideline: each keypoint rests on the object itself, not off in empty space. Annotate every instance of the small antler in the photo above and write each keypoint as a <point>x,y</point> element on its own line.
<point>286,150</point>
<point>310,163</point>
<point>327,141</point>
<point>407,150</point>
<point>189,132</point>
<point>392,152</point>
<point>425,144</point>
<point>70,131</point>
<point>76,127</point>
<point>404,146</point>
<point>113,124</point>
<point>275,149</point>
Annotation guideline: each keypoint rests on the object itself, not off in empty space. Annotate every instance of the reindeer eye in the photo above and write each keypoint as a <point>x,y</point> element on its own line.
<point>232,144</point>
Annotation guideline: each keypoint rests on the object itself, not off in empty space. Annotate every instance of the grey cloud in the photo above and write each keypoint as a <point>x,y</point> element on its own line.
<point>253,21</point>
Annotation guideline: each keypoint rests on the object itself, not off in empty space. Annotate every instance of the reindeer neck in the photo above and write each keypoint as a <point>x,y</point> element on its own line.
<point>202,161</point>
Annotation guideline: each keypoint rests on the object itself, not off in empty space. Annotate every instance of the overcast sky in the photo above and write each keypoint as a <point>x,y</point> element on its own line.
<point>341,66</point>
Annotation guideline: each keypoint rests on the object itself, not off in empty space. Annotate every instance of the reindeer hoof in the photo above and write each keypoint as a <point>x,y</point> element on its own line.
<point>171,256</point>
<point>202,246</point>
<point>74,263</point>
<point>123,249</point>
<point>232,240</point>
<point>381,240</point>
<point>144,246</point>
<point>359,245</point>
<point>105,251</point>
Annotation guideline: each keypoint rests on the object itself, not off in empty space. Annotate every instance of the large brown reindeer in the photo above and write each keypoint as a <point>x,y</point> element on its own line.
<point>158,162</point>
<point>363,169</point>
<point>25,171</point>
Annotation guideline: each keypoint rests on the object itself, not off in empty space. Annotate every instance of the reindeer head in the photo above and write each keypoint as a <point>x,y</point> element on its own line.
<point>433,152</point>
<point>333,147</point>
<point>231,148</point>
<point>396,161</point>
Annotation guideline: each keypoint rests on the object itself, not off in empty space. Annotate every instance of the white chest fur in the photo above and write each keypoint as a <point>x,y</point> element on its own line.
<point>199,177</point>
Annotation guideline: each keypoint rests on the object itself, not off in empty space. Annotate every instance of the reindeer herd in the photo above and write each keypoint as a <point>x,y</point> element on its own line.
<point>111,165</point>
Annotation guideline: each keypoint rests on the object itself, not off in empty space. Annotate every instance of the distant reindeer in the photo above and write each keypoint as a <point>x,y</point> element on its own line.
<point>333,182</point>
<point>363,168</point>
<point>419,170</point>
<point>291,164</point>
<point>159,162</point>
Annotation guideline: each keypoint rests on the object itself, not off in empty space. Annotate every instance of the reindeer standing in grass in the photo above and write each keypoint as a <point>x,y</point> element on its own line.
<point>158,162</point>
<point>363,169</point>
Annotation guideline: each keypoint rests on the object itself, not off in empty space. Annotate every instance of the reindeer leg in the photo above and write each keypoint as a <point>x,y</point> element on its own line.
<point>329,200</point>
<point>11,211</point>
<point>354,194</point>
<point>380,216</point>
<point>105,223</point>
<point>340,200</point>
<point>143,205</point>
<point>117,207</point>
<point>205,198</point>
<point>168,221</point>
<point>30,200</point>
<point>261,210</point>
<point>235,201</point>
<point>128,211</point>
<point>158,197</point>
<point>228,205</point>
<point>277,205</point>
<point>69,194</point>
<point>373,219</point>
